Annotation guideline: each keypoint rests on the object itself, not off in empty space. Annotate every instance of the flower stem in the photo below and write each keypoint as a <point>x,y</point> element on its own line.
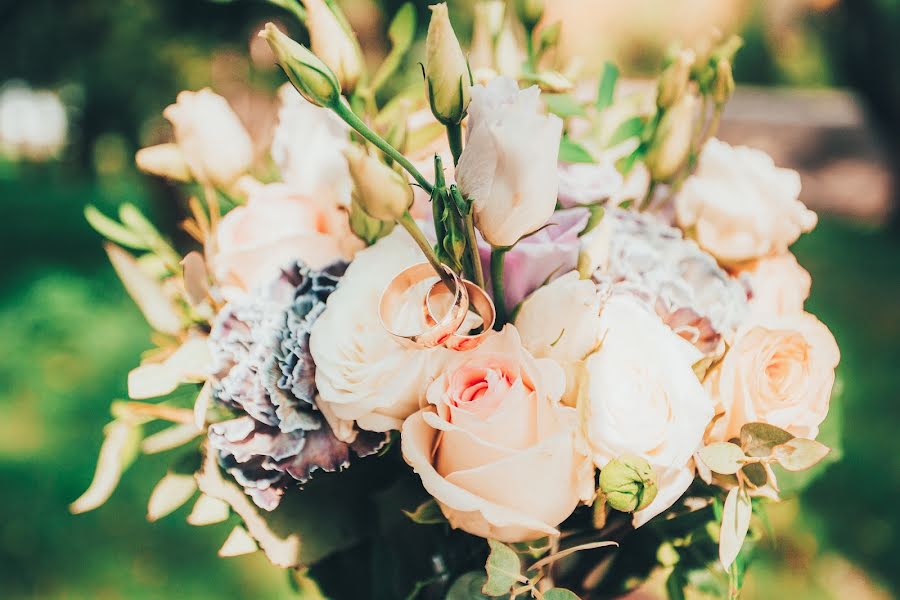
<point>454,136</point>
<point>343,110</point>
<point>497,256</point>
<point>409,224</point>
<point>468,216</point>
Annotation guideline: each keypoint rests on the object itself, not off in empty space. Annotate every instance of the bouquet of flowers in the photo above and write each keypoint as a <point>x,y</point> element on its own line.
<point>506,334</point>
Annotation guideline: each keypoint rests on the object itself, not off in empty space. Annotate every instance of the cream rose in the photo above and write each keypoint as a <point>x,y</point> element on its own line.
<point>211,138</point>
<point>274,227</point>
<point>509,165</point>
<point>780,371</point>
<point>740,206</point>
<point>644,399</point>
<point>778,285</point>
<point>494,446</point>
<point>363,375</point>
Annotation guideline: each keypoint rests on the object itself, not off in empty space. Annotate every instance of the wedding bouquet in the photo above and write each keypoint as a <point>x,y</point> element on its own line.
<point>506,334</point>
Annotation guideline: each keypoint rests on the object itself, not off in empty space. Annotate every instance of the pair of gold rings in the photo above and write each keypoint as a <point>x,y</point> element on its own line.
<point>420,311</point>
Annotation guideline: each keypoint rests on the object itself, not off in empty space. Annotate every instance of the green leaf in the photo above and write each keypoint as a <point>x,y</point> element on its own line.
<point>564,105</point>
<point>572,152</point>
<point>560,594</point>
<point>735,523</point>
<point>112,230</point>
<point>758,439</point>
<point>304,586</point>
<point>607,88</point>
<point>468,587</point>
<point>724,458</point>
<point>597,213</point>
<point>628,128</point>
<point>428,513</point>
<point>800,454</point>
<point>402,33</point>
<point>675,584</point>
<point>503,569</point>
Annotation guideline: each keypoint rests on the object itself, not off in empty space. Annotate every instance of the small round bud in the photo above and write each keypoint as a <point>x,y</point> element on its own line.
<point>674,80</point>
<point>446,70</point>
<point>723,86</point>
<point>312,77</point>
<point>530,12</point>
<point>672,141</point>
<point>381,192</point>
<point>629,483</point>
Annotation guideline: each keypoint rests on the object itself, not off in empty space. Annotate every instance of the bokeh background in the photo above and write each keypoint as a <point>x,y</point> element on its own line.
<point>82,86</point>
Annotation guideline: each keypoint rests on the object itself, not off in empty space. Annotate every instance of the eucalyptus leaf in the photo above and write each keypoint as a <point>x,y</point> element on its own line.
<point>735,523</point>
<point>607,88</point>
<point>560,594</point>
<point>800,454</point>
<point>758,439</point>
<point>503,569</point>
<point>724,458</point>
<point>563,105</point>
<point>468,587</point>
<point>572,152</point>
<point>427,513</point>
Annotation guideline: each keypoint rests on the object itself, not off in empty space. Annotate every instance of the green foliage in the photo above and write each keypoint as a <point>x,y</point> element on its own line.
<point>572,152</point>
<point>607,88</point>
<point>503,568</point>
<point>427,513</point>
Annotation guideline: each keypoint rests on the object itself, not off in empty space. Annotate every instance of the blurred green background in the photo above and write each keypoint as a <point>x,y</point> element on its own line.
<point>70,334</point>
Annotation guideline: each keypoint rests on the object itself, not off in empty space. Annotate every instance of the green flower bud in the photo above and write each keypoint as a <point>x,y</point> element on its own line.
<point>366,228</point>
<point>723,86</point>
<point>333,40</point>
<point>672,140</point>
<point>674,80</point>
<point>550,35</point>
<point>629,483</point>
<point>382,192</point>
<point>312,77</point>
<point>446,70</point>
<point>530,12</point>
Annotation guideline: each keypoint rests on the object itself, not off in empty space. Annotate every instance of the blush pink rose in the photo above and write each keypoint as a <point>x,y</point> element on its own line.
<point>780,371</point>
<point>494,446</point>
<point>277,226</point>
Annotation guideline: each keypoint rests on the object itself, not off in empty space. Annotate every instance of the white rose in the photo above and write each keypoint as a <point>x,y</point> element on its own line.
<point>740,206</point>
<point>362,373</point>
<point>778,285</point>
<point>210,136</point>
<point>509,165</point>
<point>308,148</point>
<point>644,399</point>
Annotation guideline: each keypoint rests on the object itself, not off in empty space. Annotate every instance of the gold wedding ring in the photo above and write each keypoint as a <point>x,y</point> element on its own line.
<point>402,301</point>
<point>439,297</point>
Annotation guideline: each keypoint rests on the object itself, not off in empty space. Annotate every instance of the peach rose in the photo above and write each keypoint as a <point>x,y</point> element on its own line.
<point>495,448</point>
<point>274,227</point>
<point>780,371</point>
<point>778,285</point>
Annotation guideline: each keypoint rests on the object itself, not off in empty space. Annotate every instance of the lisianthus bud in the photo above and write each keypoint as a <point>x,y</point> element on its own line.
<point>672,141</point>
<point>334,43</point>
<point>312,77</point>
<point>550,34</point>
<point>674,80</point>
<point>723,86</point>
<point>163,160</point>
<point>629,483</point>
<point>366,228</point>
<point>382,192</point>
<point>446,69</point>
<point>530,12</point>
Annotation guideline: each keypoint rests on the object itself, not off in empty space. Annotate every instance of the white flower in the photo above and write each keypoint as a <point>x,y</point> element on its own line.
<point>362,373</point>
<point>212,139</point>
<point>740,206</point>
<point>644,399</point>
<point>508,167</point>
<point>308,148</point>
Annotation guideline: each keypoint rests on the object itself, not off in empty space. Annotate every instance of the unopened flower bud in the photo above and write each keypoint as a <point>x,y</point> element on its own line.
<point>674,80</point>
<point>723,86</point>
<point>163,160</point>
<point>333,41</point>
<point>629,483</point>
<point>381,192</point>
<point>446,70</point>
<point>727,49</point>
<point>487,22</point>
<point>312,77</point>
<point>672,141</point>
<point>366,228</point>
<point>530,12</point>
<point>550,35</point>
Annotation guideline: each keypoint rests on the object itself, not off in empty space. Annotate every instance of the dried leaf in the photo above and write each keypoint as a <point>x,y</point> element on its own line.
<point>800,454</point>
<point>207,511</point>
<point>756,474</point>
<point>238,543</point>
<point>196,279</point>
<point>119,448</point>
<point>503,569</point>
<point>758,439</point>
<point>189,363</point>
<point>735,523</point>
<point>428,513</point>
<point>146,292</point>
<point>171,437</point>
<point>170,493</point>
<point>724,458</point>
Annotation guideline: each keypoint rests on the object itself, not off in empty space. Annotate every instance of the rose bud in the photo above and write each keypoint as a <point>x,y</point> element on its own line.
<point>672,141</point>
<point>629,483</point>
<point>334,43</point>
<point>312,77</point>
<point>530,12</point>
<point>446,69</point>
<point>674,80</point>
<point>367,228</point>
<point>163,160</point>
<point>382,193</point>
